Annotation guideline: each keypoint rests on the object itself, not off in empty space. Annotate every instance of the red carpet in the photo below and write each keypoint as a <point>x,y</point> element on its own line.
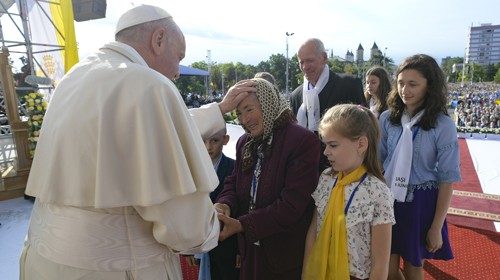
<point>188,272</point>
<point>474,240</point>
<point>469,206</point>
<point>476,254</point>
<point>470,181</point>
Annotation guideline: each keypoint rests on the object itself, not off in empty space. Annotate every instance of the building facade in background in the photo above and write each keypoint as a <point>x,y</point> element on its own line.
<point>484,44</point>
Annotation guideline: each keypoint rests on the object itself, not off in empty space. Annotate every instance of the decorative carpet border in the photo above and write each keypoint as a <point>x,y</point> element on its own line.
<point>474,214</point>
<point>477,195</point>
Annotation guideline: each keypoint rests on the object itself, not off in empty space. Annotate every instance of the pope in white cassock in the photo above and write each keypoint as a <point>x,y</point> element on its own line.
<point>121,175</point>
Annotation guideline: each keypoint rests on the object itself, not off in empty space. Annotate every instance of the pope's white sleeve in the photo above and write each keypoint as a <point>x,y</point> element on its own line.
<point>186,224</point>
<point>208,119</point>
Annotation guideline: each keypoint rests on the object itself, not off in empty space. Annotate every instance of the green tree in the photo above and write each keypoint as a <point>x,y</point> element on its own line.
<point>376,60</point>
<point>388,64</point>
<point>249,72</point>
<point>200,65</point>
<point>451,73</point>
<point>215,74</point>
<point>296,76</point>
<point>191,84</point>
<point>490,72</point>
<point>478,74</point>
<point>264,66</point>
<point>239,71</point>
<point>336,65</point>
<point>227,76</point>
<point>277,67</point>
<point>497,77</point>
<point>350,68</point>
<point>362,68</point>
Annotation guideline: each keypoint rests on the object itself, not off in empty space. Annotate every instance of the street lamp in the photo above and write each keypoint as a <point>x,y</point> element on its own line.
<point>208,78</point>
<point>222,78</point>
<point>288,34</point>
<point>463,66</point>
<point>384,62</point>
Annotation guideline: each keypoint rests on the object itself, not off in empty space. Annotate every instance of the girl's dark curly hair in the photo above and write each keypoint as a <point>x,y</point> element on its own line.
<point>435,98</point>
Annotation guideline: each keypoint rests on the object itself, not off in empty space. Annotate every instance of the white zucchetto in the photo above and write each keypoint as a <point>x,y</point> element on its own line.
<point>140,14</point>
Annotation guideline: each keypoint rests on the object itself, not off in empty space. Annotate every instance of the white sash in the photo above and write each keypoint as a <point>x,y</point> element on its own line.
<point>397,173</point>
<point>308,114</point>
<point>94,240</point>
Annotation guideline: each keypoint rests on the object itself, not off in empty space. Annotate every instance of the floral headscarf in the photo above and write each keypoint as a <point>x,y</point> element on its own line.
<point>276,113</point>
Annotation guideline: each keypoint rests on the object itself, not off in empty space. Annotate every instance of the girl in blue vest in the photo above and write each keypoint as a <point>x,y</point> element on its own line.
<point>419,151</point>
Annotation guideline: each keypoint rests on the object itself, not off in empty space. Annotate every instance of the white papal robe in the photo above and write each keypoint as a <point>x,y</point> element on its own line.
<point>121,175</point>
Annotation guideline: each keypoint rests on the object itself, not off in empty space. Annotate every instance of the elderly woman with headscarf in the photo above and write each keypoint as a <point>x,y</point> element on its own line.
<point>267,199</point>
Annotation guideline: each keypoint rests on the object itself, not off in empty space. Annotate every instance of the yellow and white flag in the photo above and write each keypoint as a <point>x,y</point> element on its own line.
<point>52,33</point>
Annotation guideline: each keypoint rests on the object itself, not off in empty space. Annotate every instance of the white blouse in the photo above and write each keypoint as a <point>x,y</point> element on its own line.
<point>371,205</point>
<point>373,107</point>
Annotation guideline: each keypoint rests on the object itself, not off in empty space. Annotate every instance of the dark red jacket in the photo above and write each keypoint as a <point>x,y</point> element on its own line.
<point>284,205</point>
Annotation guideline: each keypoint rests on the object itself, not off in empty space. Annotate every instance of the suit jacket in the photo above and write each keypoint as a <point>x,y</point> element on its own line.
<point>339,89</point>
<point>284,207</point>
<point>224,169</point>
<point>223,257</point>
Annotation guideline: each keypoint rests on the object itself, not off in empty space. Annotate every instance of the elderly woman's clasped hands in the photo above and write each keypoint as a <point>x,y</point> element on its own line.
<point>229,226</point>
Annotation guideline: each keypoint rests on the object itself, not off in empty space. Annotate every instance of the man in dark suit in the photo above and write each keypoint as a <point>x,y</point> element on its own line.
<point>322,89</point>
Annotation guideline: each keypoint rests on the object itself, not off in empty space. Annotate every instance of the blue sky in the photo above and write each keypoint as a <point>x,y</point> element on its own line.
<point>251,31</point>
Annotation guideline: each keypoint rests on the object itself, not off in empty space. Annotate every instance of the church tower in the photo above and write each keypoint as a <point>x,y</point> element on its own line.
<point>374,51</point>
<point>360,54</point>
<point>349,56</point>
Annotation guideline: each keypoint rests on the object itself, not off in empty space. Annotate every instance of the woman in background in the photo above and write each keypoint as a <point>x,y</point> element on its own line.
<point>378,86</point>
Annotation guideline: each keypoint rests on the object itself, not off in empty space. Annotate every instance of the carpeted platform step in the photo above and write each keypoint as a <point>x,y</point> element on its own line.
<point>476,254</point>
<point>469,205</point>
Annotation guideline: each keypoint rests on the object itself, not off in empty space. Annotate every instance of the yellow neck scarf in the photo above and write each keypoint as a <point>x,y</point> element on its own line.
<point>328,258</point>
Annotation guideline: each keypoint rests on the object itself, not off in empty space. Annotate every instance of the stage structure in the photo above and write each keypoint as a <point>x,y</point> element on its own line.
<point>42,32</point>
<point>15,160</point>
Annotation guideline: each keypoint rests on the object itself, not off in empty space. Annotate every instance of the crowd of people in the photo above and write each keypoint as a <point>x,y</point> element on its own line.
<point>476,105</point>
<point>324,185</point>
<point>195,100</point>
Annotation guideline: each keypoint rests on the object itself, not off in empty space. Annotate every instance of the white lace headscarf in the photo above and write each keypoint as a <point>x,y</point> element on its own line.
<point>275,111</point>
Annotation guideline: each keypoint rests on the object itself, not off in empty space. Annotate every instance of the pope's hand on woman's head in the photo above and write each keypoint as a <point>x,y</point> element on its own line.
<point>235,94</point>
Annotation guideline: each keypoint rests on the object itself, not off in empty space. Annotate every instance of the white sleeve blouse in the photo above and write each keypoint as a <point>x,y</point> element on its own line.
<point>371,205</point>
